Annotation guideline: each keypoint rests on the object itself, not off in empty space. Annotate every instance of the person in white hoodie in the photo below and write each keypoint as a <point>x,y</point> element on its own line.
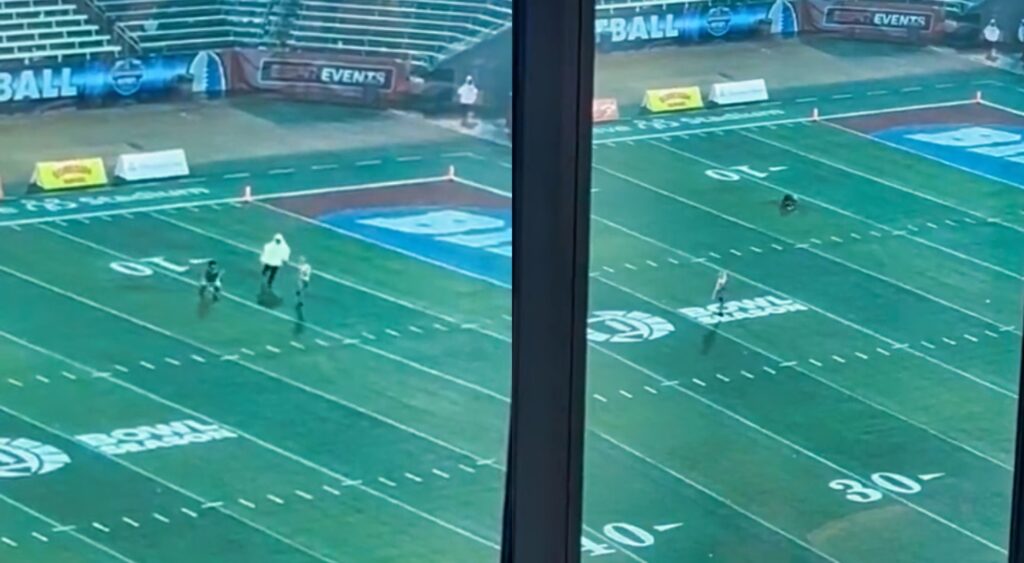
<point>275,254</point>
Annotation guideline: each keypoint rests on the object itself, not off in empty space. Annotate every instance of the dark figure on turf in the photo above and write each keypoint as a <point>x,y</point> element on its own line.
<point>211,281</point>
<point>275,254</point>
<point>788,204</point>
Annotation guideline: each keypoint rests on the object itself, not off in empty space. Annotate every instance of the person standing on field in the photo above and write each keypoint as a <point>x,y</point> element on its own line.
<point>468,95</point>
<point>992,37</point>
<point>275,254</point>
<point>1020,39</point>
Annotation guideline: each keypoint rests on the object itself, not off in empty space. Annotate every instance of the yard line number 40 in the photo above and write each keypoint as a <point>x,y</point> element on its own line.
<point>857,491</point>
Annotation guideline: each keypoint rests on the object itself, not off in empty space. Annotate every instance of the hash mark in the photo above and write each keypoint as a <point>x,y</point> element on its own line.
<point>440,474</point>
<point>722,377</point>
<point>713,255</point>
<point>992,334</point>
<point>42,379</point>
<point>172,361</point>
<point>650,390</point>
<point>861,356</point>
<point>164,519</point>
<point>273,349</point>
<point>625,394</point>
<point>40,537</point>
<point>369,336</point>
<point>246,503</point>
<point>101,527</point>
<point>838,359</point>
<point>198,358</point>
<point>331,490</point>
<point>855,236</point>
<point>412,477</point>
<point>147,365</point>
<point>274,499</point>
<point>835,238</point>
<point>736,252</point>
<point>415,329</point>
<point>321,342</point>
<point>303,494</point>
<point>747,374</point>
<point>927,345</point>
<point>949,341</point>
<point>8,541</point>
<point>652,264</point>
<point>815,362</point>
<point>15,382</point>
<point>777,247</point>
<point>394,333</point>
<point>882,352</point>
<point>971,338</point>
<point>387,482</point>
<point>130,522</point>
<point>600,398</point>
<point>297,345</point>
<point>189,512</point>
<point>467,468</point>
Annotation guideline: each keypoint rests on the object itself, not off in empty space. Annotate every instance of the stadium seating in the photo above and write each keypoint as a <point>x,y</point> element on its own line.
<point>35,31</point>
<point>424,32</point>
<point>168,26</point>
<point>421,31</point>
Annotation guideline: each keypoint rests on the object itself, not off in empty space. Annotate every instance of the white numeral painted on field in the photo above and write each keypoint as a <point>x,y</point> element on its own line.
<point>624,535</point>
<point>142,267</point>
<point>737,173</point>
<point>855,491</point>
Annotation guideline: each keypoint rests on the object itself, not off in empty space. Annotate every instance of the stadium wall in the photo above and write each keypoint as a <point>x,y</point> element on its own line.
<point>294,75</point>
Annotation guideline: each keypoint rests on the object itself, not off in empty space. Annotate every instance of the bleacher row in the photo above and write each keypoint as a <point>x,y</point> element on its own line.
<point>423,32</point>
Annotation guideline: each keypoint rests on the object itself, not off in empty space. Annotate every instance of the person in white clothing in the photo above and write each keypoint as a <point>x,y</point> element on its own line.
<point>275,254</point>
<point>719,293</point>
<point>468,95</point>
<point>305,273</point>
<point>992,36</point>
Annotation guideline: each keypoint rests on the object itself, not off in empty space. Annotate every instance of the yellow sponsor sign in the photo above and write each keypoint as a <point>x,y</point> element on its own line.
<point>673,99</point>
<point>70,174</point>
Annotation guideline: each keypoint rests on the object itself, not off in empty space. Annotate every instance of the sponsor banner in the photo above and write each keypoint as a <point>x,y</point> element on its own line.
<point>151,165</point>
<point>324,76</point>
<point>99,81</point>
<point>745,92</point>
<point>693,22</point>
<point>150,437</point>
<point>70,174</point>
<point>742,309</point>
<point>673,99</point>
<point>875,20</point>
<point>605,110</point>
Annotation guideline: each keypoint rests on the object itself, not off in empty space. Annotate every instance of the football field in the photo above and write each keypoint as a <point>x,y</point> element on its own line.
<point>852,399</point>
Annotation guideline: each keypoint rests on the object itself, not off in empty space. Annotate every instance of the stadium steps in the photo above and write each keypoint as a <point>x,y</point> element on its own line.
<point>34,31</point>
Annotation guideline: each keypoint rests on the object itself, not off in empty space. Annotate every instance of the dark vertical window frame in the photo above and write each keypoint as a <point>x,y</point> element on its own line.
<point>552,109</point>
<point>1017,516</point>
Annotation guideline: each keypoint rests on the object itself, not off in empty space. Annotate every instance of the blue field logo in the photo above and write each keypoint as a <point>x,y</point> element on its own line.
<point>476,241</point>
<point>993,150</point>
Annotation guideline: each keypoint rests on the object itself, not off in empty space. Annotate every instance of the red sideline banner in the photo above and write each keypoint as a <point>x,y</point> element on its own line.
<point>317,76</point>
<point>605,110</point>
<point>875,20</point>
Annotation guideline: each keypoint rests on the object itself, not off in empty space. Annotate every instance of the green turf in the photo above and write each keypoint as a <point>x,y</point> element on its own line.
<point>374,429</point>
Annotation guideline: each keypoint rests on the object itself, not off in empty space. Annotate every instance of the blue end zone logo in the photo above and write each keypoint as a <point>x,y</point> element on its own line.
<point>476,241</point>
<point>993,150</point>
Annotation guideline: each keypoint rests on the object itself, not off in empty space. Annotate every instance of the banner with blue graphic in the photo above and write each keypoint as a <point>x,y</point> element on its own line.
<point>693,22</point>
<point>97,81</point>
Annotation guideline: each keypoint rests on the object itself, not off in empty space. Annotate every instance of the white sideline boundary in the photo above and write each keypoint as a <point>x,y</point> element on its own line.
<point>792,120</point>
<point>221,201</point>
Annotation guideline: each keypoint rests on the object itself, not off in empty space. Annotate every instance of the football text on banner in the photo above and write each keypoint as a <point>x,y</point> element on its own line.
<point>70,174</point>
<point>606,109</point>
<point>745,92</point>
<point>673,99</point>
<point>151,165</point>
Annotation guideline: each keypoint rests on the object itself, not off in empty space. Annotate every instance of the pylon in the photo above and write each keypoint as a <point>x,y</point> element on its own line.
<point>451,172</point>
<point>247,194</point>
<point>977,97</point>
<point>815,116</point>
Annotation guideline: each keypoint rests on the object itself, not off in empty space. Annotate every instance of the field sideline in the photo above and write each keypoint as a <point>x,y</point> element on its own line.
<point>857,404</point>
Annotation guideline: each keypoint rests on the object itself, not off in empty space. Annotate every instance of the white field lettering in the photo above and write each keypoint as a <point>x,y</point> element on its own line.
<point>742,309</point>
<point>155,436</point>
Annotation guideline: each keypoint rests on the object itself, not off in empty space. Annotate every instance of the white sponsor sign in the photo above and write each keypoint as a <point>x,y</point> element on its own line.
<point>742,309</point>
<point>626,326</point>
<point>155,436</point>
<point>744,92</point>
<point>21,457</point>
<point>152,165</point>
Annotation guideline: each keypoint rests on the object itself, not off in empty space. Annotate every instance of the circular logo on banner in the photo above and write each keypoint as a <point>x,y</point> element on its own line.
<point>126,76</point>
<point>719,20</point>
<point>626,326</point>
<point>21,457</point>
